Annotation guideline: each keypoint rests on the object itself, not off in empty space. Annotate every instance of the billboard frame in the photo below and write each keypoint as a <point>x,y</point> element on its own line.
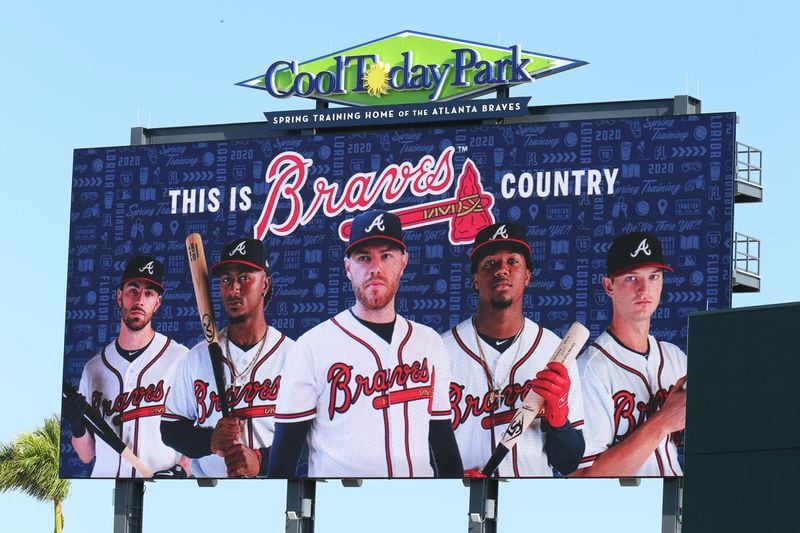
<point>484,493</point>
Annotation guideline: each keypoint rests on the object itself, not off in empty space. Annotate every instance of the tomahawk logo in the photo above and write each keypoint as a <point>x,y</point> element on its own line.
<point>501,233</point>
<point>148,267</point>
<point>241,248</point>
<point>643,247</point>
<point>377,222</point>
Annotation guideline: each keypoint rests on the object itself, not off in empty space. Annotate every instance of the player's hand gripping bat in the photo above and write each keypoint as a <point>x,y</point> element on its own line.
<point>202,292</point>
<point>565,353</point>
<point>101,429</point>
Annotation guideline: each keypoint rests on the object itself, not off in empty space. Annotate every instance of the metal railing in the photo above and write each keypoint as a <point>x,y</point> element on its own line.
<point>748,163</point>
<point>747,254</point>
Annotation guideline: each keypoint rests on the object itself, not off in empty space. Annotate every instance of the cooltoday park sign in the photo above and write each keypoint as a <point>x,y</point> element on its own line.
<point>406,77</point>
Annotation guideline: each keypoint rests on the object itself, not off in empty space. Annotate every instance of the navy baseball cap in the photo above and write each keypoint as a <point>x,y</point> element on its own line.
<point>375,225</point>
<point>501,235</point>
<point>144,268</point>
<point>634,250</point>
<point>243,251</point>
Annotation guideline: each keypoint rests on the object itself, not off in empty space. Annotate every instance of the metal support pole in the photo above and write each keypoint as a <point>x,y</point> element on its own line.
<point>672,505</point>
<point>300,494</point>
<point>482,505</point>
<point>128,505</point>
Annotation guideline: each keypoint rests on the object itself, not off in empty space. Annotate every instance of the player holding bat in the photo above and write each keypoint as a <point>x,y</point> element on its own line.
<point>498,356</point>
<point>634,385</point>
<point>128,382</point>
<point>253,352</point>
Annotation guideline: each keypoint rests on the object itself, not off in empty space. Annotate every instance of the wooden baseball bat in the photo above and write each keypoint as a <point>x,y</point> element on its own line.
<point>101,429</point>
<point>565,353</point>
<point>205,306</point>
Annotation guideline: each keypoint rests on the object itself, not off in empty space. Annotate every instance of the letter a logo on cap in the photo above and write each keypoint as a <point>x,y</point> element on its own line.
<point>643,247</point>
<point>377,222</point>
<point>148,267</point>
<point>241,248</point>
<point>500,233</point>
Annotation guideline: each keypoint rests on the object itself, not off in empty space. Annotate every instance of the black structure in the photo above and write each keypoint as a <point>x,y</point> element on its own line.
<point>742,436</point>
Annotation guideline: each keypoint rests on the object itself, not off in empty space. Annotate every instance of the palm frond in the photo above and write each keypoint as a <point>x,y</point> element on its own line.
<point>30,463</point>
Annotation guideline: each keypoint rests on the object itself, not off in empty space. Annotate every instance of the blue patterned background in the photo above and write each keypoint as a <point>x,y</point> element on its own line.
<point>675,179</point>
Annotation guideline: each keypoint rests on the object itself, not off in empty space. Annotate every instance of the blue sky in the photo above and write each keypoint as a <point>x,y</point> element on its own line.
<point>82,74</point>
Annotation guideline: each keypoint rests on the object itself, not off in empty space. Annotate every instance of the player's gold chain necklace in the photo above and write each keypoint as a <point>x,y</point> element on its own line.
<point>494,388</point>
<point>245,371</point>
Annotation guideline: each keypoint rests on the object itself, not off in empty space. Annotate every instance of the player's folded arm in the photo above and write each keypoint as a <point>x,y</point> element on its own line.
<point>287,444</point>
<point>182,435</point>
<point>445,457</point>
<point>564,447</point>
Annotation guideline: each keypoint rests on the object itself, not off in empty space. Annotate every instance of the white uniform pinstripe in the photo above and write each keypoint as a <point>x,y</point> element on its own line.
<point>130,396</point>
<point>621,389</point>
<point>478,427</point>
<point>252,398</point>
<point>371,402</point>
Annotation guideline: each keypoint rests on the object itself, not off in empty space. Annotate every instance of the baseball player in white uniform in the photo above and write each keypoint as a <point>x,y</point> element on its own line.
<point>128,382</point>
<point>498,356</point>
<point>634,385</point>
<point>238,445</point>
<point>367,389</point>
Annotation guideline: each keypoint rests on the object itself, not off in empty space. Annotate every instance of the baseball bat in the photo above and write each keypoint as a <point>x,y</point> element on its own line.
<point>101,429</point>
<point>202,293</point>
<point>565,353</point>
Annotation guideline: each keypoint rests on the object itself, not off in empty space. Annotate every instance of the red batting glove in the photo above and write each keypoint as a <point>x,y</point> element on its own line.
<point>474,472</point>
<point>552,384</point>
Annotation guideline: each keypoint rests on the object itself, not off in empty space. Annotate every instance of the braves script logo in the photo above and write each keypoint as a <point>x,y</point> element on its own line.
<point>501,233</point>
<point>465,406</point>
<point>376,223</point>
<point>152,393</point>
<point>630,414</point>
<point>643,247</point>
<point>208,402</point>
<point>346,389</point>
<point>241,249</point>
<point>466,213</point>
<point>148,267</point>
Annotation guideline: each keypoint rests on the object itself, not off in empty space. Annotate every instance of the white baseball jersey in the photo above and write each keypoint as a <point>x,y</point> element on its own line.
<point>252,383</point>
<point>131,396</point>
<point>478,422</point>
<point>622,388</point>
<point>371,402</point>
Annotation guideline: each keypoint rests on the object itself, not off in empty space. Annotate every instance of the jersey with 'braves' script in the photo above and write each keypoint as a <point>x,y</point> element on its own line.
<point>622,388</point>
<point>485,394</point>
<point>370,402</point>
<point>130,396</point>
<point>252,382</point>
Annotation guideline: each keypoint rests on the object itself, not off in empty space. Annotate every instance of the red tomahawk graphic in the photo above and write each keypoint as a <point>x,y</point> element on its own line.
<point>466,213</point>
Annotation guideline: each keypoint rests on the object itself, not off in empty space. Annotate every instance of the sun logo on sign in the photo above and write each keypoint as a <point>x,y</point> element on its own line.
<point>376,79</point>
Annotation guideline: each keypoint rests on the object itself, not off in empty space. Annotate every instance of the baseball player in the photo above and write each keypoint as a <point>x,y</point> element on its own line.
<point>128,382</point>
<point>498,356</point>
<point>238,445</point>
<point>367,388</point>
<point>634,385</point>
